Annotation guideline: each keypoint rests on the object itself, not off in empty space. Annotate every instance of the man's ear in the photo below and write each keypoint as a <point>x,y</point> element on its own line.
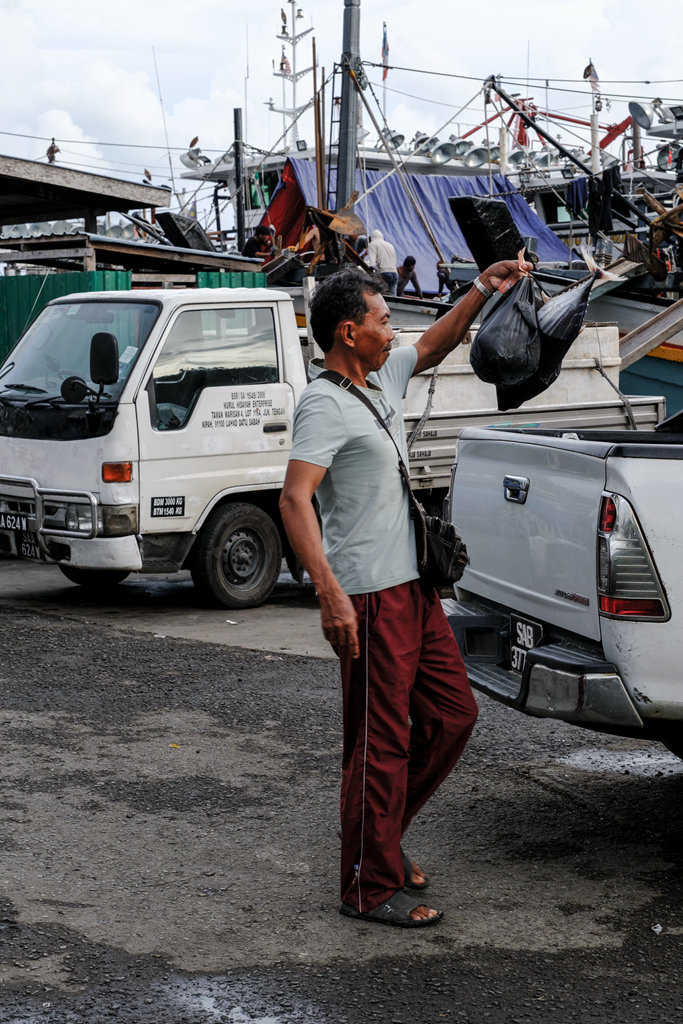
<point>346,331</point>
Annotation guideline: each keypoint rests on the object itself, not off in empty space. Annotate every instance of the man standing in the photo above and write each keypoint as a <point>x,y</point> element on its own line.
<point>407,705</point>
<point>381,256</point>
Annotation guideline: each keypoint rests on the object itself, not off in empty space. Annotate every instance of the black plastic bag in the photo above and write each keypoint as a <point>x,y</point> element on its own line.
<point>559,320</point>
<point>507,347</point>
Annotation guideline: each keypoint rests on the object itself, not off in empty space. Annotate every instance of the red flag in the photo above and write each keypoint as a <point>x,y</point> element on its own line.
<point>385,51</point>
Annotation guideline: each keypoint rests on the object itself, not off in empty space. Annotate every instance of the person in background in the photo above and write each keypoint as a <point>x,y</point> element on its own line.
<point>407,275</point>
<point>260,243</point>
<point>408,709</point>
<point>381,256</point>
<point>444,279</point>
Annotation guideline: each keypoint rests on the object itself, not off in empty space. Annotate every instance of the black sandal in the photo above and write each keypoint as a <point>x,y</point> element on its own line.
<point>409,867</point>
<point>394,911</point>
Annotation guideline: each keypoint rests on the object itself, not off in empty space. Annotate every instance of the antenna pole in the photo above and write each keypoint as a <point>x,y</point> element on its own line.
<point>163,118</point>
<point>246,79</point>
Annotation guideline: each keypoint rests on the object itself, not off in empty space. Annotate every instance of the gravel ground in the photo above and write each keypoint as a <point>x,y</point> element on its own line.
<point>168,852</point>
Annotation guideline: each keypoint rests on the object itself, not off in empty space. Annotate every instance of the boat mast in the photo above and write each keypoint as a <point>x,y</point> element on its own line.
<point>348,116</point>
<point>288,72</point>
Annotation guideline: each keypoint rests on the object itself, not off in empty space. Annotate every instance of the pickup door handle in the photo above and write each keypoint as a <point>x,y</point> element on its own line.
<point>274,428</point>
<point>516,488</point>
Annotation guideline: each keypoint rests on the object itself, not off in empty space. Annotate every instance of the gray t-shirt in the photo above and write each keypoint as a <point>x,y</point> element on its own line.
<point>368,535</point>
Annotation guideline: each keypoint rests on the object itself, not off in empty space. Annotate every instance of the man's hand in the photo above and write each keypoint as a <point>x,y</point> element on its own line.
<point>339,621</point>
<point>448,331</point>
<point>506,272</point>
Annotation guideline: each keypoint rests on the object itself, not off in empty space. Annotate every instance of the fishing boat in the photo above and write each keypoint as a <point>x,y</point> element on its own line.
<point>515,158</point>
<point>512,139</point>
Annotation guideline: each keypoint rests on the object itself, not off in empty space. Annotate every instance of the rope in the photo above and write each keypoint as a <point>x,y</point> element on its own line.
<point>428,408</point>
<point>50,270</point>
<point>402,160</point>
<point>488,149</point>
<point>627,405</point>
<point>404,181</point>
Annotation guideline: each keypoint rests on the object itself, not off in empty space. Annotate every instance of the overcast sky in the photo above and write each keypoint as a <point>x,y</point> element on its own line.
<point>85,72</point>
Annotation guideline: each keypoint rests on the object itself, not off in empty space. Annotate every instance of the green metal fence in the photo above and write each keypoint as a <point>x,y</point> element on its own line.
<point>234,279</point>
<point>23,297</point>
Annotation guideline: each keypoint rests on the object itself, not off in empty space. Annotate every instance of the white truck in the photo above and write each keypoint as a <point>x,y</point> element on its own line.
<point>571,607</point>
<point>149,431</point>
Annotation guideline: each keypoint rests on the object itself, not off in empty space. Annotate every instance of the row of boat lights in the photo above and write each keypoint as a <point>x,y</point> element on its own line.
<point>473,155</point>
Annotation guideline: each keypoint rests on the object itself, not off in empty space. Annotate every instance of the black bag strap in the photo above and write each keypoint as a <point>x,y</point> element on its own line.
<point>417,511</point>
<point>347,385</point>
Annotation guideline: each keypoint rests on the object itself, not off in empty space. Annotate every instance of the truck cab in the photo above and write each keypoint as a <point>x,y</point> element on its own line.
<point>150,431</point>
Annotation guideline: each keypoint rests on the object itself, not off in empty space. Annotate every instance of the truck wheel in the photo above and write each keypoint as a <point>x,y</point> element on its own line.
<point>94,579</point>
<point>238,559</point>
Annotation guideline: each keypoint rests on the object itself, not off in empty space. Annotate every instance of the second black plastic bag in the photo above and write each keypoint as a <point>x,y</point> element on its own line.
<point>507,347</point>
<point>560,320</point>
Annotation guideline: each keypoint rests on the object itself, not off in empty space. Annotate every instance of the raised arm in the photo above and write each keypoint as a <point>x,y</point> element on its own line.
<point>446,333</point>
<point>337,614</point>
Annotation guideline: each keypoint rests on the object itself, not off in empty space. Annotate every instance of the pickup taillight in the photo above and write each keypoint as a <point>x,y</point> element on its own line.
<point>628,582</point>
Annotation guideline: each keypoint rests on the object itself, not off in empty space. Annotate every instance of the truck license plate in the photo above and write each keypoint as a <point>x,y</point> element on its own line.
<point>27,545</point>
<point>524,634</point>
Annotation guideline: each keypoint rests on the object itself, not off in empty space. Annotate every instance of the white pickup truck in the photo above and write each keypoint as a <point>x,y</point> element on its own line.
<point>149,430</point>
<point>571,607</point>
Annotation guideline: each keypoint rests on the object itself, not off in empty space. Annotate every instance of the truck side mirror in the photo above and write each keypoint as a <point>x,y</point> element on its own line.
<point>104,358</point>
<point>74,390</point>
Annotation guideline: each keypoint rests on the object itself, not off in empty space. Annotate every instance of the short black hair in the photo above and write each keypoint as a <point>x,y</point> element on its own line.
<point>409,261</point>
<point>261,229</point>
<point>341,296</point>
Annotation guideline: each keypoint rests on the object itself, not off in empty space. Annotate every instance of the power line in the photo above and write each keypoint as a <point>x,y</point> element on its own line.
<point>511,79</point>
<point>90,142</point>
<point>524,84</point>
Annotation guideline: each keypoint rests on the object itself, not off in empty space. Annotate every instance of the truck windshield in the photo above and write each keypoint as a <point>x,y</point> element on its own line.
<point>57,346</point>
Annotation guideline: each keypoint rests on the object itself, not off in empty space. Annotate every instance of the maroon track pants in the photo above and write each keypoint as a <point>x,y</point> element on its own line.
<point>408,713</point>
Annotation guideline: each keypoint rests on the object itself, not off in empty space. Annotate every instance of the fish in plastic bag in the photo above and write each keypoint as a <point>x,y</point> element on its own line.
<point>560,319</point>
<point>507,346</point>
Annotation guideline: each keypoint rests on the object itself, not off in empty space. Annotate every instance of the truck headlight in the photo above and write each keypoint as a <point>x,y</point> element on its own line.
<point>78,518</point>
<point>118,520</point>
<point>71,517</point>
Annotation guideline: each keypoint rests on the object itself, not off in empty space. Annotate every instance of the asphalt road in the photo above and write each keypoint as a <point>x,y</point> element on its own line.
<point>168,848</point>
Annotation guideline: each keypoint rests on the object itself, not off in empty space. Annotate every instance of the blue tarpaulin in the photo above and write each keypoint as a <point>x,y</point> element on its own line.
<point>388,209</point>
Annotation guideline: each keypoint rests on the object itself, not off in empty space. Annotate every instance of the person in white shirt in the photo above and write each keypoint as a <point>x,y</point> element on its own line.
<point>381,257</point>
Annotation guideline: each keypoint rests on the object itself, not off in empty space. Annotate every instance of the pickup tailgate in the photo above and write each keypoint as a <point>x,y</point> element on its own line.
<point>523,500</point>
